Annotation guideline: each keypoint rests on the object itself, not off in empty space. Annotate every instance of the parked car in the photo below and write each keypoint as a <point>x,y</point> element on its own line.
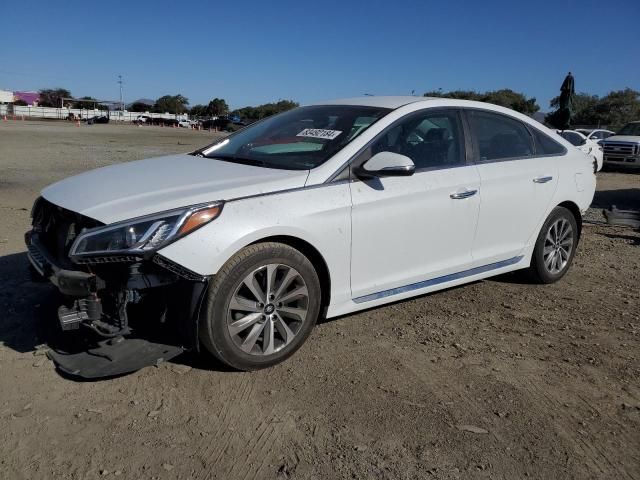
<point>186,123</point>
<point>99,119</point>
<point>223,122</point>
<point>623,148</point>
<point>321,211</point>
<point>595,134</point>
<point>143,119</point>
<point>590,147</point>
<point>165,122</point>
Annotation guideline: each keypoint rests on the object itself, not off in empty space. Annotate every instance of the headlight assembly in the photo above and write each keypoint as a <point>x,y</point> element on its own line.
<point>143,235</point>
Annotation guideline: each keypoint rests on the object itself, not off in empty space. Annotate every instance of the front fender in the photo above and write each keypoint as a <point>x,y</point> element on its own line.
<point>317,215</point>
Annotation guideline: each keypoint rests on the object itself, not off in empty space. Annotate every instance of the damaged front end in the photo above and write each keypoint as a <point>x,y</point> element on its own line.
<point>127,298</point>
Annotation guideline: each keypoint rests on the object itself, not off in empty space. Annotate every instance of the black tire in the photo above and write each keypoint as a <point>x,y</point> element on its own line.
<point>539,270</point>
<point>214,332</point>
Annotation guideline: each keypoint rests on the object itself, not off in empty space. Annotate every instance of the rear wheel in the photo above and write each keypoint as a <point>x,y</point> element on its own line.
<point>261,306</point>
<point>555,247</point>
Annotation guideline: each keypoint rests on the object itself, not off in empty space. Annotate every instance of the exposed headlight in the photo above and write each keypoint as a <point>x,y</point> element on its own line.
<point>143,235</point>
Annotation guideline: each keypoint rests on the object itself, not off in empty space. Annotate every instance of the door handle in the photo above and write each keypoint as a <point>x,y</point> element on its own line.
<point>542,179</point>
<point>465,194</point>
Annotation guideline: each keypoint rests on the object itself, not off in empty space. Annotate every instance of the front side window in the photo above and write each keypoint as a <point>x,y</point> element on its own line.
<point>430,139</point>
<point>499,137</point>
<point>300,139</point>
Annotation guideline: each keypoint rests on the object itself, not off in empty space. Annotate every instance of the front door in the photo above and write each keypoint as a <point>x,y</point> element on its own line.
<point>407,230</point>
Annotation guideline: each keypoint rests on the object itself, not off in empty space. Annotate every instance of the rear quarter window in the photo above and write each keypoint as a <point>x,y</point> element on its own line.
<point>545,145</point>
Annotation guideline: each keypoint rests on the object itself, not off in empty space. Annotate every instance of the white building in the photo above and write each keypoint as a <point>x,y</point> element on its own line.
<point>6,96</point>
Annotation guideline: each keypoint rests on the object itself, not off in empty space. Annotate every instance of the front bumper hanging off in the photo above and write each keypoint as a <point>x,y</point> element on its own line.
<point>110,358</point>
<point>166,300</point>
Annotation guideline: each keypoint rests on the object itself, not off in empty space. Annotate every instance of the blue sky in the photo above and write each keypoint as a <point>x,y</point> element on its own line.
<point>251,52</point>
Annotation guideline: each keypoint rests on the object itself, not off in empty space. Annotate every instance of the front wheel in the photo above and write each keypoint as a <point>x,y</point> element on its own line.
<point>261,306</point>
<point>555,247</point>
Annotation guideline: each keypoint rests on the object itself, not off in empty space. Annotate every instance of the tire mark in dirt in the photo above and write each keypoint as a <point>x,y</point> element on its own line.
<point>590,453</point>
<point>247,435</point>
<point>235,398</point>
<point>623,433</point>
<point>466,406</point>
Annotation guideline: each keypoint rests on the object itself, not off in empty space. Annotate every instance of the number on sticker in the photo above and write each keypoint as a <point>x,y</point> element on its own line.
<point>319,133</point>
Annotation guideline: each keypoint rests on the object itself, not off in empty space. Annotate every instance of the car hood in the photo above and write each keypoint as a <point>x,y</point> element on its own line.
<point>129,190</point>
<point>623,138</point>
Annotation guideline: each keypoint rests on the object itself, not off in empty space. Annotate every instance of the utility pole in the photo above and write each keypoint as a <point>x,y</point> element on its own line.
<point>121,103</point>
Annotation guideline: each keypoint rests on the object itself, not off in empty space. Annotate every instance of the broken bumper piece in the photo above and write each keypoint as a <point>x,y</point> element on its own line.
<point>113,357</point>
<point>116,308</point>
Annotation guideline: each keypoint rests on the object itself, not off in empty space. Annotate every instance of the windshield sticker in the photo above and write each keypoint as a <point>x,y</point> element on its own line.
<point>319,133</point>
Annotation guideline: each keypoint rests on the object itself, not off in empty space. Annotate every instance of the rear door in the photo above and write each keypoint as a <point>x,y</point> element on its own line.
<point>516,185</point>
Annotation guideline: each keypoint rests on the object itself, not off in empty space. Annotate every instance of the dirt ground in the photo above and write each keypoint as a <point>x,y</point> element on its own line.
<point>499,379</point>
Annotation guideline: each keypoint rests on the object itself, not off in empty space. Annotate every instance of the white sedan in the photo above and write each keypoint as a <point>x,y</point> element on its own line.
<point>238,248</point>
<point>590,146</point>
<point>596,134</point>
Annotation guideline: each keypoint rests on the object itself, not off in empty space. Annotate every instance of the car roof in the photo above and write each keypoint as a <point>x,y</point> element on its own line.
<point>560,132</point>
<point>392,102</point>
<point>396,102</point>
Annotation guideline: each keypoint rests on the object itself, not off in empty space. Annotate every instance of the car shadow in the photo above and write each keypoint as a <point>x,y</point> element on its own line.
<point>26,304</point>
<point>609,167</point>
<point>633,240</point>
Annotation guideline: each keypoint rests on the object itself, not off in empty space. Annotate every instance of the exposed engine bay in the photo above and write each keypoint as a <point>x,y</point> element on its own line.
<point>114,299</point>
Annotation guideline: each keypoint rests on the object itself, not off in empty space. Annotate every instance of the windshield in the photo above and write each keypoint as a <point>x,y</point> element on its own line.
<point>630,129</point>
<point>300,139</point>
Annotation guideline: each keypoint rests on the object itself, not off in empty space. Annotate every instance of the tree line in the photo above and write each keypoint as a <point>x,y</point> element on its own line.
<point>176,104</point>
<point>613,110</point>
<point>504,97</point>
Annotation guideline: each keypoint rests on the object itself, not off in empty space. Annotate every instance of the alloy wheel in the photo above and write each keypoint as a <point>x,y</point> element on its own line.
<point>558,245</point>
<point>267,309</point>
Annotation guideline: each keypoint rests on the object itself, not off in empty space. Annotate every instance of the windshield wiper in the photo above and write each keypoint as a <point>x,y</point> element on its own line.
<point>236,159</point>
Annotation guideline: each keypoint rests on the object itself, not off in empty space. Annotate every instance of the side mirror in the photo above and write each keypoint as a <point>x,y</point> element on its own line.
<point>386,164</point>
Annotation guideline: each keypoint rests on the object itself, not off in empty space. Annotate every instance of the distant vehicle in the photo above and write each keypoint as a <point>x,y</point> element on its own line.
<point>595,134</point>
<point>140,119</point>
<point>324,210</point>
<point>98,119</point>
<point>215,122</point>
<point>185,123</point>
<point>589,146</point>
<point>623,148</point>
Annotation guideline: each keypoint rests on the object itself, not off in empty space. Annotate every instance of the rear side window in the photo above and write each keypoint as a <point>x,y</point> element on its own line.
<point>573,138</point>
<point>545,145</point>
<point>499,137</point>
